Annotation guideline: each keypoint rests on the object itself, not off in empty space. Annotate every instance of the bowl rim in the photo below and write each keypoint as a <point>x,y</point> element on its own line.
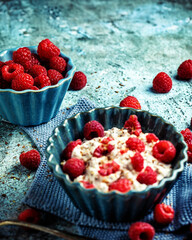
<point>34,50</point>
<point>64,177</point>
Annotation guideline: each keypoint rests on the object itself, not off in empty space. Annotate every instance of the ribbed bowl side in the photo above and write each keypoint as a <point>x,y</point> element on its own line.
<point>114,206</point>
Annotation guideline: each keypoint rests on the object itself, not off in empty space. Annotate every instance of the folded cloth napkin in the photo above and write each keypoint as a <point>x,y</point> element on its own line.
<point>47,194</point>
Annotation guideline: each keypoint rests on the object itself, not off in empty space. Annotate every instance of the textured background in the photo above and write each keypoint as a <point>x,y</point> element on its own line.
<point>119,45</point>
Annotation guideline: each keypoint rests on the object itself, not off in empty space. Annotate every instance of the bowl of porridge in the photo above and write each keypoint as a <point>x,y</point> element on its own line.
<point>116,163</point>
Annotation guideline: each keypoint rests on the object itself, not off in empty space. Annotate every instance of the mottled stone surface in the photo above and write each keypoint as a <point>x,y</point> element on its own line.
<point>120,45</point>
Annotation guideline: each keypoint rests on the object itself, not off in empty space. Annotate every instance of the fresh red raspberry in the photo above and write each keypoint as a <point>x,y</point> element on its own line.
<point>42,81</point>
<point>164,151</point>
<point>87,184</point>
<point>46,49</point>
<point>103,150</point>
<point>57,63</point>
<point>74,167</point>
<point>93,129</point>
<point>184,71</point>
<point>66,153</point>
<point>29,215</point>
<point>135,144</point>
<point>108,168</point>
<point>106,140</point>
<point>54,76</point>
<point>148,176</point>
<point>30,159</point>
<point>11,71</point>
<point>122,151</point>
<point>9,62</point>
<point>37,70</point>
<point>141,231</point>
<point>35,59</point>
<point>187,134</point>
<point>79,81</point>
<point>137,162</point>
<point>23,57</point>
<point>22,81</point>
<point>189,152</point>
<point>34,88</point>
<point>162,83</point>
<point>131,102</point>
<point>133,125</point>
<point>151,137</point>
<point>122,185</point>
<point>163,214</point>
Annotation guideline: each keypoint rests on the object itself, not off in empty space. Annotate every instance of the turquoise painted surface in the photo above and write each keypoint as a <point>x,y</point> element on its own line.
<point>120,46</point>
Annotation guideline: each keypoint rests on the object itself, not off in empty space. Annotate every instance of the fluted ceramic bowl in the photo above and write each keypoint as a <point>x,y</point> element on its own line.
<point>114,206</point>
<point>33,107</point>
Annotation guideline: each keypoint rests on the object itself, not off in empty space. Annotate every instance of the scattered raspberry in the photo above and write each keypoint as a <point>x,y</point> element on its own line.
<point>134,144</point>
<point>133,125</point>
<point>164,151</point>
<point>23,57</point>
<point>131,102</point>
<point>103,150</point>
<point>122,185</point>
<point>137,162</point>
<point>37,70</point>
<point>54,76</point>
<point>74,167</point>
<point>162,83</point>
<point>184,71</point>
<point>11,71</point>
<point>187,134</point>
<point>87,184</point>
<point>107,140</point>
<point>93,129</point>
<point>141,231</point>
<point>58,63</point>
<point>29,215</point>
<point>108,168</point>
<point>122,151</point>
<point>30,159</point>
<point>42,81</point>
<point>163,214</point>
<point>22,81</point>
<point>46,49</point>
<point>151,137</point>
<point>79,81</point>
<point>35,59</point>
<point>148,176</point>
<point>66,154</point>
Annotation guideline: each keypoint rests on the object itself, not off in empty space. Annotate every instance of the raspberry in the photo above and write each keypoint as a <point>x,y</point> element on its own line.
<point>151,137</point>
<point>11,71</point>
<point>187,134</point>
<point>22,81</point>
<point>133,125</point>
<point>163,214</point>
<point>42,81</point>
<point>87,185</point>
<point>164,151</point>
<point>148,176</point>
<point>79,81</point>
<point>131,102</point>
<point>30,159</point>
<point>162,83</point>
<point>46,49</point>
<point>57,63</point>
<point>141,231</point>
<point>122,185</point>
<point>107,140</point>
<point>137,162</point>
<point>35,59</point>
<point>122,151</point>
<point>74,167</point>
<point>9,62</point>
<point>93,129</point>
<point>29,215</point>
<point>103,150</point>
<point>108,168</point>
<point>66,154</point>
<point>184,71</point>
<point>189,152</point>
<point>54,76</point>
<point>36,70</point>
<point>134,144</point>
<point>34,88</point>
<point>23,57</point>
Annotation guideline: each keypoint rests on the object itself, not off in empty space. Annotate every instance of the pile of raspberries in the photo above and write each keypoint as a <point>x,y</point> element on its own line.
<point>33,71</point>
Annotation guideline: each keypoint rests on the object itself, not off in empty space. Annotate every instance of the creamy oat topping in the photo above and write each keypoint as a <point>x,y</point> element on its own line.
<point>122,156</point>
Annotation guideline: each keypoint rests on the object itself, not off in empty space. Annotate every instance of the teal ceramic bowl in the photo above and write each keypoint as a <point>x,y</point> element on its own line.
<point>33,107</point>
<point>114,206</point>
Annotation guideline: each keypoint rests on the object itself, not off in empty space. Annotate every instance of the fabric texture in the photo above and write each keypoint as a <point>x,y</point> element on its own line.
<point>47,194</point>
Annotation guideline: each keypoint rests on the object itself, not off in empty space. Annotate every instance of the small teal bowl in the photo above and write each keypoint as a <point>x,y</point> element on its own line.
<point>113,206</point>
<point>33,107</point>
